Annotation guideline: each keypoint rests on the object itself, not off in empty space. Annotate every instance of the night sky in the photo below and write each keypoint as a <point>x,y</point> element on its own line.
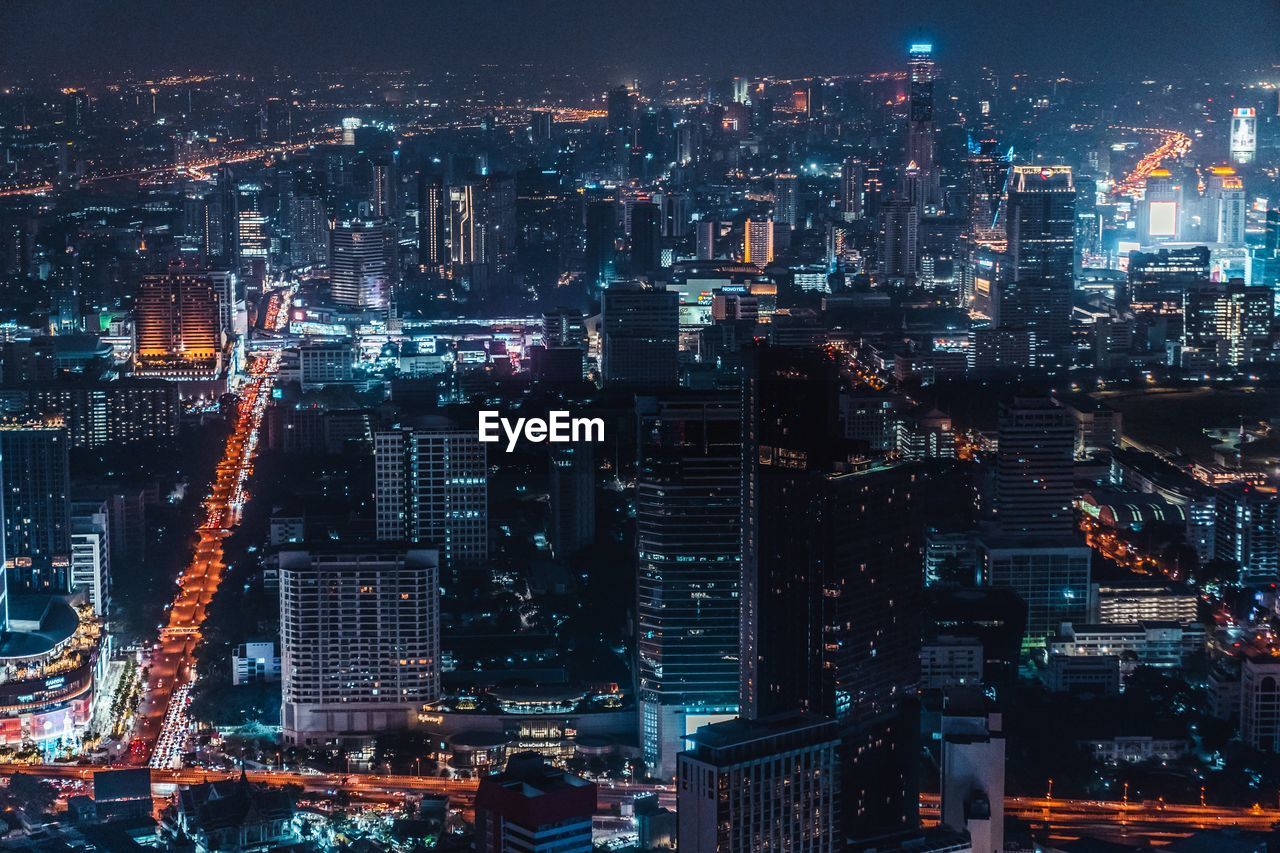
<point>647,38</point>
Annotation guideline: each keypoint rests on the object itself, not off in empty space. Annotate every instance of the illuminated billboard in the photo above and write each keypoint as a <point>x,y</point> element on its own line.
<point>1163,219</point>
<point>1244,134</point>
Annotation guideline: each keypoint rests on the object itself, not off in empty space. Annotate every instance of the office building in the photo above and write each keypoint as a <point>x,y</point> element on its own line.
<point>601,258</point>
<point>363,265</point>
<point>972,783</point>
<point>646,238</point>
<point>102,414</point>
<point>91,553</point>
<point>1052,577</point>
<point>572,488</point>
<point>1034,483</point>
<point>757,242</point>
<point>899,239</point>
<point>34,473</point>
<point>830,588</point>
<point>1224,207</point>
<point>852,175</point>
<point>639,331</point>
<point>178,326</point>
<point>431,488</point>
<point>1226,324</point>
<point>531,806</point>
<point>255,663</point>
<point>765,784</point>
<point>359,640</point>
<point>786,205</point>
<point>922,140</point>
<point>1247,531</point>
<point>1036,289</point>
<point>688,512</point>
<point>322,363</point>
<point>1118,603</point>
<point>1260,702</point>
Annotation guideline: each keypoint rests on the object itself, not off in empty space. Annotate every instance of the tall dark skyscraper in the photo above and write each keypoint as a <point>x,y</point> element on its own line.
<point>790,439</point>
<point>646,238</point>
<point>1034,480</point>
<point>639,333</point>
<point>432,201</point>
<point>35,476</point>
<point>922,142</point>
<point>572,484</point>
<point>601,249</point>
<point>688,510</point>
<point>831,580</point>
<point>1035,293</point>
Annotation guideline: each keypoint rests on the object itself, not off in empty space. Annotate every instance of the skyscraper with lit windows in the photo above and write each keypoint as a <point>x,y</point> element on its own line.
<point>688,511</point>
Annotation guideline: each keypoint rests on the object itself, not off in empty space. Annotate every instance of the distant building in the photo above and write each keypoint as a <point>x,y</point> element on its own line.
<point>1035,482</point>
<point>1247,531</point>
<point>950,661</point>
<point>178,326</point>
<point>1096,674</point>
<point>1052,578</point>
<point>572,487</point>
<point>253,663</point>
<point>1128,603</point>
<point>363,265</point>
<point>431,488</point>
<point>35,471</point>
<point>326,363</point>
<point>767,784</point>
<point>359,640</point>
<point>533,806</point>
<point>639,336</point>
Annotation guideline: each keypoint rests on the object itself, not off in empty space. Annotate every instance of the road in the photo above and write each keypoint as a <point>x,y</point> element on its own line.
<point>197,170</point>
<point>461,792</point>
<point>1099,818</point>
<point>1174,145</point>
<point>1115,820</point>
<point>170,664</point>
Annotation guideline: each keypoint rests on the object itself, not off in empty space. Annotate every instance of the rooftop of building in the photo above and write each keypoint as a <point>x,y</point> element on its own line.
<point>743,736</point>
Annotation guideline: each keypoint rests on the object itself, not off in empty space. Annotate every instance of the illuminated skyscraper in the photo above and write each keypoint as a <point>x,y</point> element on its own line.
<point>362,265</point>
<point>35,477</point>
<point>431,488</point>
<point>1224,207</point>
<point>786,204</point>
<point>1035,290</point>
<point>922,140</point>
<point>432,204</point>
<point>601,248</point>
<point>359,639</point>
<point>757,242</point>
<point>688,512</point>
<point>852,174</point>
<point>178,326</point>
<point>899,239</point>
